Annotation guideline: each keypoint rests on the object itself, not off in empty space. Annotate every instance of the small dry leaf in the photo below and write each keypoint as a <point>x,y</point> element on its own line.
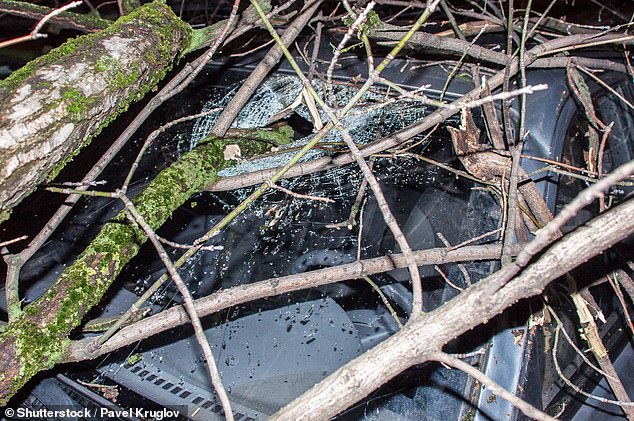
<point>518,335</point>
<point>111,393</point>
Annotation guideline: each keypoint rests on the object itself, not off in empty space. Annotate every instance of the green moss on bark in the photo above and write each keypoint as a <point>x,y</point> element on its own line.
<point>76,102</point>
<point>126,83</point>
<point>41,333</point>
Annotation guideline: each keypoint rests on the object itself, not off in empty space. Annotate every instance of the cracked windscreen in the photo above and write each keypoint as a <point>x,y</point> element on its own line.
<point>283,234</point>
<point>330,218</point>
<point>288,234</point>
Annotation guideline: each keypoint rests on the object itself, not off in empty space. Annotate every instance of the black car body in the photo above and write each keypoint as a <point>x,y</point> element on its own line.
<point>271,351</point>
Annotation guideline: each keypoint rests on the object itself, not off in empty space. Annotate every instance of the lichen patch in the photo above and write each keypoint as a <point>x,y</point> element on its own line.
<point>22,93</point>
<point>116,45</point>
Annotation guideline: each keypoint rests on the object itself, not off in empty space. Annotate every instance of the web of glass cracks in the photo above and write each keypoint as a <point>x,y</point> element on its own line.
<point>279,234</point>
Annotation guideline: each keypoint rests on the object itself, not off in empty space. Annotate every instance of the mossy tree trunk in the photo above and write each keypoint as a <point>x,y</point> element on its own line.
<point>54,105</point>
<point>36,340</point>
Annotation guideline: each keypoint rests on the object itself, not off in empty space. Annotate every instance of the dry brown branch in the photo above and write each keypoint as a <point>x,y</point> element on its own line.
<point>626,281</point>
<point>446,278</point>
<point>176,316</point>
<point>428,333</point>
<point>490,114</point>
<point>491,167</point>
<point>512,202</point>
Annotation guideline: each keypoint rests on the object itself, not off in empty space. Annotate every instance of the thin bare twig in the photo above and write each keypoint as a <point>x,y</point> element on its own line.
<point>384,299</point>
<point>474,239</point>
<point>560,326</point>
<point>137,218</point>
<point>462,268</point>
<point>446,278</point>
<point>335,121</point>
<point>356,206</point>
<point>188,246</point>
<point>299,195</point>
<point>574,386</point>
<point>35,33</point>
<point>15,240</point>
<point>528,409</point>
<point>458,65</point>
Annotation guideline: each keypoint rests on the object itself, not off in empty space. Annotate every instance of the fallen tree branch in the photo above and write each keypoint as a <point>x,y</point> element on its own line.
<point>36,340</point>
<point>55,104</point>
<point>418,340</point>
<point>176,316</point>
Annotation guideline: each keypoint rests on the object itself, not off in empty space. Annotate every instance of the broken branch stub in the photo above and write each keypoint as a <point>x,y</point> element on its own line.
<point>55,104</point>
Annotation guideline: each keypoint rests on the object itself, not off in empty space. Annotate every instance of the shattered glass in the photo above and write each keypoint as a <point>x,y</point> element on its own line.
<point>281,235</point>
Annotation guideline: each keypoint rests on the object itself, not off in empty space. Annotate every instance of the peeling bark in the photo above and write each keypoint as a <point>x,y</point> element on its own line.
<point>486,165</point>
<point>55,104</point>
